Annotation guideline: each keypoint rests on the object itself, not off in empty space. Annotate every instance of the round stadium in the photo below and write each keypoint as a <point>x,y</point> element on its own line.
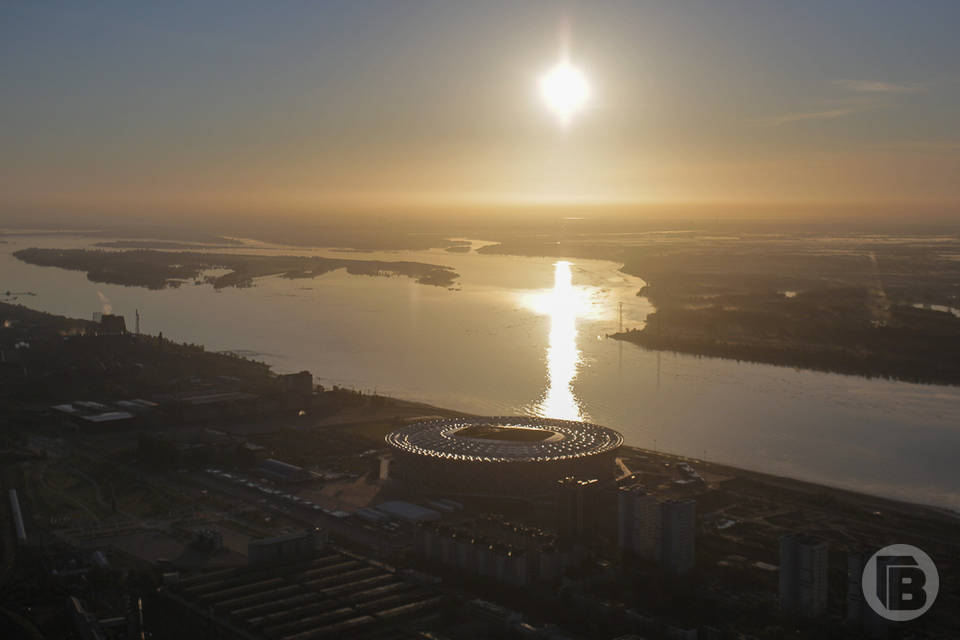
<point>498,455</point>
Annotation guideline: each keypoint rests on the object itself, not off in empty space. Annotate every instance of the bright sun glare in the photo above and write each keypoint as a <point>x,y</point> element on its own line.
<point>565,90</point>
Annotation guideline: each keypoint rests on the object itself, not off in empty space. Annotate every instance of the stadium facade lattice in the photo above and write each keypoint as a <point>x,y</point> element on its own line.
<point>500,455</point>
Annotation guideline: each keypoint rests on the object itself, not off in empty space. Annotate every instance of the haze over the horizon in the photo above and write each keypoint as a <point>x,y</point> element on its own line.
<point>218,107</point>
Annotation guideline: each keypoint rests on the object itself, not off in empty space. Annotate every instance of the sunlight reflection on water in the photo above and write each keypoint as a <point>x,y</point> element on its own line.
<point>563,304</point>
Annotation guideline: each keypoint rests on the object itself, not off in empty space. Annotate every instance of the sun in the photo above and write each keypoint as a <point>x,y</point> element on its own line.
<point>565,90</point>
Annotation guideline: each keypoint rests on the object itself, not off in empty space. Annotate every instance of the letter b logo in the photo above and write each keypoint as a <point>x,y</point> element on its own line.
<point>900,582</point>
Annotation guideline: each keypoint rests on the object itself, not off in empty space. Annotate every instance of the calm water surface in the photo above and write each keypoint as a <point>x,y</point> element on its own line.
<point>527,335</point>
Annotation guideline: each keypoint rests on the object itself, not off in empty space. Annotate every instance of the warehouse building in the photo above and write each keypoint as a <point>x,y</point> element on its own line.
<point>331,595</point>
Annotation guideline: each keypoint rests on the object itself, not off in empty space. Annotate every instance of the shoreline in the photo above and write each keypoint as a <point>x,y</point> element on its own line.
<point>805,487</point>
<point>769,480</point>
<point>821,361</point>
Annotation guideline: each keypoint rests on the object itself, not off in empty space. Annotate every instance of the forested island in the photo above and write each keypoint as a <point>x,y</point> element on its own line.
<point>916,346</point>
<point>877,306</point>
<point>162,269</point>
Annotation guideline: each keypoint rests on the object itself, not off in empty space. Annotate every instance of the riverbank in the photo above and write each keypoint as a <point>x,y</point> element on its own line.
<point>877,509</point>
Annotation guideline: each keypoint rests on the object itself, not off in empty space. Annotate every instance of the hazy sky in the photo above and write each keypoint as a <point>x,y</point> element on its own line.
<point>311,106</point>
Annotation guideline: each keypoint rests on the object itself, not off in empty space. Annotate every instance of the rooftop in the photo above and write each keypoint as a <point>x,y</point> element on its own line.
<point>504,439</point>
<point>408,511</point>
<point>332,595</point>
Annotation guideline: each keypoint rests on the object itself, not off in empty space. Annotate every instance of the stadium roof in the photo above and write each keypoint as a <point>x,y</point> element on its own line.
<point>563,439</point>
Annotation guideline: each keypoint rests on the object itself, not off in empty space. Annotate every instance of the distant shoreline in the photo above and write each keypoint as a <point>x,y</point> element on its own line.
<point>167,269</point>
<point>870,366</point>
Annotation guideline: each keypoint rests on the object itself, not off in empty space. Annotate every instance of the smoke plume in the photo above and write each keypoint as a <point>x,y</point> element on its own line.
<point>105,303</point>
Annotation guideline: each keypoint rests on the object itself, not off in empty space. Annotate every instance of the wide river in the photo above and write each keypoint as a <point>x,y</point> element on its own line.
<point>527,335</point>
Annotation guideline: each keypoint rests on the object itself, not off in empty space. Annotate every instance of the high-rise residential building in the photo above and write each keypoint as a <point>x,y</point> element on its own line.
<point>678,534</point>
<point>860,616</point>
<point>660,531</point>
<point>639,523</point>
<point>856,604</point>
<point>577,504</point>
<point>803,575</point>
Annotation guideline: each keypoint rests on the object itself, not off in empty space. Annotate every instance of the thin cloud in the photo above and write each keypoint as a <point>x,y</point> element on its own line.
<point>924,146</point>
<point>788,118</point>
<point>873,86</point>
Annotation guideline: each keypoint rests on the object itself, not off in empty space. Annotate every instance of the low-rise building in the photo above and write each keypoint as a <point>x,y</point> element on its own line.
<point>283,471</point>
<point>285,548</point>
